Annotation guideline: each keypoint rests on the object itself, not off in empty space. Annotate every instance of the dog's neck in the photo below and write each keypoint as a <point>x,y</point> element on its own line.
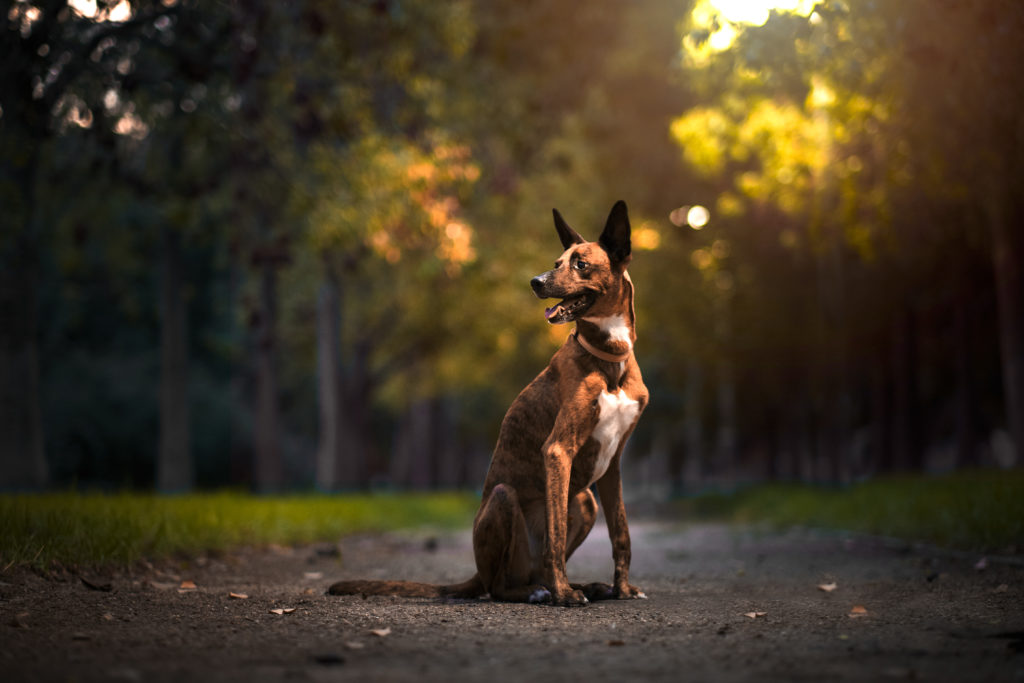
<point>610,337</point>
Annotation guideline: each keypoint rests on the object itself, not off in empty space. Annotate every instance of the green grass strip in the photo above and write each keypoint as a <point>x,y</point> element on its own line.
<point>971,510</point>
<point>102,530</point>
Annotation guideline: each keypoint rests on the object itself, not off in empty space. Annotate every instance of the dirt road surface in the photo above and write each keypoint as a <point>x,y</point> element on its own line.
<point>725,604</point>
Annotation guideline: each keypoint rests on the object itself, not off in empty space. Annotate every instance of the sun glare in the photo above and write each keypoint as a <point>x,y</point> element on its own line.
<point>122,11</point>
<point>755,12</point>
<point>732,13</point>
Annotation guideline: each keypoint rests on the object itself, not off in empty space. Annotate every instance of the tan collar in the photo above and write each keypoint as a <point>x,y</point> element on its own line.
<point>598,353</point>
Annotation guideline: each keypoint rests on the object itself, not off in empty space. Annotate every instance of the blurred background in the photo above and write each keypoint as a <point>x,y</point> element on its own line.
<point>287,245</point>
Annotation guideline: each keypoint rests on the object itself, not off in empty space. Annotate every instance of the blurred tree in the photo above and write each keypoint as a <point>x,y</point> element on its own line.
<point>56,60</point>
<point>823,134</point>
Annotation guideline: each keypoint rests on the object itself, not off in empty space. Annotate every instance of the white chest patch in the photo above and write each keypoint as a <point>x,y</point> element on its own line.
<point>614,326</point>
<point>616,414</point>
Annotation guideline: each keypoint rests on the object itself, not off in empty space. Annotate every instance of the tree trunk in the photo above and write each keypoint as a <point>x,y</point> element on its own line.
<point>725,440</point>
<point>328,337</point>
<point>355,463</point>
<point>906,447</point>
<point>966,423</point>
<point>881,458</point>
<point>1008,260</point>
<point>174,458</point>
<point>414,453</point>
<point>693,427</point>
<point>268,471</point>
<point>449,473</point>
<point>725,446</point>
<point>23,463</point>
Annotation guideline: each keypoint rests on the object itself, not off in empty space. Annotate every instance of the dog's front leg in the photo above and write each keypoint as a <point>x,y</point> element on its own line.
<point>557,466</point>
<point>558,452</point>
<point>609,488</point>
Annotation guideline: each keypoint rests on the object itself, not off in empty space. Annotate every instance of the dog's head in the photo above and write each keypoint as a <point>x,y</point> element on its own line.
<point>589,277</point>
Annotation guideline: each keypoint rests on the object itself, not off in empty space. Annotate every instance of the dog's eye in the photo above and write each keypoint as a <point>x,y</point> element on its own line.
<point>581,264</point>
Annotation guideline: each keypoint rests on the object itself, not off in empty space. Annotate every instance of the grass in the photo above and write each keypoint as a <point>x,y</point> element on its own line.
<point>972,510</point>
<point>981,510</point>
<point>100,530</point>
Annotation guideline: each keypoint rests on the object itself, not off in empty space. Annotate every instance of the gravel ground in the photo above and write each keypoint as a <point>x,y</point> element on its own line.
<point>725,604</point>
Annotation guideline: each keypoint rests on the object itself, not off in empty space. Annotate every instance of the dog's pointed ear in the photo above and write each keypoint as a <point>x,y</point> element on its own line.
<point>615,238</point>
<point>568,236</point>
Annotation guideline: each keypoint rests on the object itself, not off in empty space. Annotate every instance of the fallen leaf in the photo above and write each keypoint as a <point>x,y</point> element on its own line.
<point>313,576</point>
<point>308,591</point>
<point>858,611</point>
<point>616,643</point>
<point>754,615</point>
<point>354,645</point>
<point>187,586</point>
<point>108,617</point>
<point>827,587</point>
<point>282,610</point>
<point>382,632</point>
<point>238,596</point>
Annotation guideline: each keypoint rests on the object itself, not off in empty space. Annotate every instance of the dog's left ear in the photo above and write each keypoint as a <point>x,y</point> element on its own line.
<point>615,238</point>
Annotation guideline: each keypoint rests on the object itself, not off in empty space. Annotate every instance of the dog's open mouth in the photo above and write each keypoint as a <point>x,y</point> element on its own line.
<point>568,309</point>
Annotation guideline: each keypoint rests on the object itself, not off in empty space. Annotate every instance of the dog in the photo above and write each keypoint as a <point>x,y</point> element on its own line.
<point>564,433</point>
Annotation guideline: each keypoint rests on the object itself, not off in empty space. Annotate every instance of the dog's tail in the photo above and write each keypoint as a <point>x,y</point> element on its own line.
<point>473,588</point>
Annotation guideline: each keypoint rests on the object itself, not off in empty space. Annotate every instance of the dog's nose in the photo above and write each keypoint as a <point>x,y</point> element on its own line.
<point>537,283</point>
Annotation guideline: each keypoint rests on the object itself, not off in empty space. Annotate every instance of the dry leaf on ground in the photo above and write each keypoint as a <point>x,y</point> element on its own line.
<point>381,631</point>
<point>187,586</point>
<point>827,587</point>
<point>238,596</point>
<point>354,645</point>
<point>282,610</point>
<point>754,615</point>
<point>313,576</point>
<point>858,611</point>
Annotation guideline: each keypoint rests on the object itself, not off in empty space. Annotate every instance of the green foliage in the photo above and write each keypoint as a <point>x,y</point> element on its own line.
<point>410,154</point>
<point>973,510</point>
<point>93,530</point>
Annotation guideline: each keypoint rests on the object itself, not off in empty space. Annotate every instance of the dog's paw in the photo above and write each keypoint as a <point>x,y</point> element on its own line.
<point>629,592</point>
<point>572,598</point>
<point>540,595</point>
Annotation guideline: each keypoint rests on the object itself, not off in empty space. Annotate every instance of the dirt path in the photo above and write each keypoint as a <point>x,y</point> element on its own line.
<point>927,616</point>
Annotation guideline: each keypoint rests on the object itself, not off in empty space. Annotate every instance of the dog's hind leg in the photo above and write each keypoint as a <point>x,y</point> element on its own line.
<point>502,549</point>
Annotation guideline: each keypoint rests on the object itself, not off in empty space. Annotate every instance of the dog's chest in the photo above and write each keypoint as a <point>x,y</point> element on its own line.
<point>616,414</point>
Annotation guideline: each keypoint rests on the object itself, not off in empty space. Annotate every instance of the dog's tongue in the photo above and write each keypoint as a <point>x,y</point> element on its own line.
<point>550,313</point>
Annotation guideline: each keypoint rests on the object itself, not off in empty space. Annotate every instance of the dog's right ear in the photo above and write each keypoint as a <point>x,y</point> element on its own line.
<point>568,236</point>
